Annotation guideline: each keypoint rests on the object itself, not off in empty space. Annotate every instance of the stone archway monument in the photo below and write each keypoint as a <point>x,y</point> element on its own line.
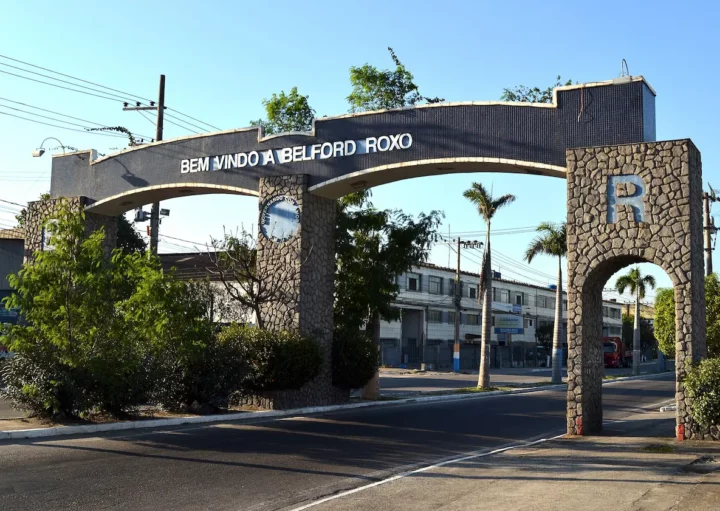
<point>629,204</point>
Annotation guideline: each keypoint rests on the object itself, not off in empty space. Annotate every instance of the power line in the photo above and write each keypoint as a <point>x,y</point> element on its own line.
<point>96,85</point>
<point>194,119</point>
<point>56,113</point>
<point>60,86</point>
<point>63,127</point>
<point>13,203</point>
<point>178,125</point>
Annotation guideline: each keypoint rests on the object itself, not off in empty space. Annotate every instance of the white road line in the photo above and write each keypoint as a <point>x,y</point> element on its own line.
<point>462,457</point>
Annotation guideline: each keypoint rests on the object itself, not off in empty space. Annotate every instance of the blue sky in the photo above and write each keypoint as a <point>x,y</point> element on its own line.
<point>222,58</point>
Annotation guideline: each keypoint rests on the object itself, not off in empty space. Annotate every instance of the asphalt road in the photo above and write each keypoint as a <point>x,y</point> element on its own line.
<point>399,382</point>
<point>279,464</point>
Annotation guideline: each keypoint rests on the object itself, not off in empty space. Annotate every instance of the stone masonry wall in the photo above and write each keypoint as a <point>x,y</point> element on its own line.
<point>39,212</point>
<point>305,268</point>
<point>663,226</point>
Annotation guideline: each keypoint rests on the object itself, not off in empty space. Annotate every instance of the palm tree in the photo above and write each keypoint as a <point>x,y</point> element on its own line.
<point>636,284</point>
<point>552,242</point>
<point>487,207</point>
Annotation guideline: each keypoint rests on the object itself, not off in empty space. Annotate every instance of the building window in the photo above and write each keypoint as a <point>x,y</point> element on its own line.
<point>434,316</point>
<point>519,299</point>
<point>451,317</point>
<point>413,282</point>
<point>605,312</point>
<point>564,304</point>
<point>528,323</point>
<point>472,319</point>
<point>435,285</point>
<point>542,302</point>
<point>550,303</point>
<point>473,291</point>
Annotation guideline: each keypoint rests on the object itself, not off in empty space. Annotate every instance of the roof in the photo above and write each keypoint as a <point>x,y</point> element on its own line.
<point>12,234</point>
<point>189,265</point>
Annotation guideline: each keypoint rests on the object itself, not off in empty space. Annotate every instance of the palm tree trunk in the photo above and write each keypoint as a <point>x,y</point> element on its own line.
<point>557,350</point>
<point>371,390</point>
<point>484,376</point>
<point>636,337</point>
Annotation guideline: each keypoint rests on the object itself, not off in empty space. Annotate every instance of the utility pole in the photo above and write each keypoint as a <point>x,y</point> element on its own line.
<point>155,210</point>
<point>709,229</point>
<point>458,295</point>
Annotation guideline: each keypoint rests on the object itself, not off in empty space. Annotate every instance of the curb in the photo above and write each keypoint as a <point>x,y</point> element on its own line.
<point>273,414</point>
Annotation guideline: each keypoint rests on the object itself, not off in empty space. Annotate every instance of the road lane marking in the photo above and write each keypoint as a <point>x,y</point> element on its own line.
<point>457,459</point>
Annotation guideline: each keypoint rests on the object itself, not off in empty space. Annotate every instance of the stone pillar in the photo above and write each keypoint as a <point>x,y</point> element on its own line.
<point>630,204</point>
<point>39,212</point>
<point>303,265</point>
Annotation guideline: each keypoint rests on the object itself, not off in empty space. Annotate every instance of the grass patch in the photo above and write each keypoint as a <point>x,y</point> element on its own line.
<point>474,390</point>
<point>659,448</point>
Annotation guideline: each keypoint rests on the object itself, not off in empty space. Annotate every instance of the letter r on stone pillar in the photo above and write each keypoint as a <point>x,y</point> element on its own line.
<point>628,189</point>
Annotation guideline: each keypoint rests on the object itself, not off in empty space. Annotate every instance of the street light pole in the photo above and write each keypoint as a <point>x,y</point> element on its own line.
<point>456,346</point>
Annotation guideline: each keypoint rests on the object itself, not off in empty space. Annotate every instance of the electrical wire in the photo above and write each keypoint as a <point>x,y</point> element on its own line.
<point>64,127</point>
<point>97,85</point>
<point>13,203</point>
<point>56,113</point>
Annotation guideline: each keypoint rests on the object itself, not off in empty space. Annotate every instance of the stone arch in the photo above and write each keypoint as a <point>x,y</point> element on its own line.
<point>612,225</point>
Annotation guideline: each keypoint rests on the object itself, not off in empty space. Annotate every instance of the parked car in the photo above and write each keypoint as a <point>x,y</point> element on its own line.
<point>615,353</point>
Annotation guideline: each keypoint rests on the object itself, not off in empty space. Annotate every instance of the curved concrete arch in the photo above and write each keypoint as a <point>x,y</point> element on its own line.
<point>122,202</point>
<point>376,147</point>
<point>384,174</point>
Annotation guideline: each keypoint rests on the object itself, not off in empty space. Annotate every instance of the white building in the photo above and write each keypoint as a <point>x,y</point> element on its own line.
<point>426,303</point>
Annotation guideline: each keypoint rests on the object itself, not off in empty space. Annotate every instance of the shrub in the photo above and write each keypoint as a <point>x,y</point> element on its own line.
<point>206,375</point>
<point>274,360</point>
<point>703,386</point>
<point>95,325</point>
<point>354,359</point>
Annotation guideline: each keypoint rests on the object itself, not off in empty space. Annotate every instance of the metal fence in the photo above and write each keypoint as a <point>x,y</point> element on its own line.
<point>439,357</point>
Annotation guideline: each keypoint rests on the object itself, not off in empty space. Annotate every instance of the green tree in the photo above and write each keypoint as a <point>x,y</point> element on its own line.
<point>372,248</point>
<point>128,238</point>
<point>286,113</point>
<point>524,94</point>
<point>487,206</point>
<point>374,89</point>
<point>92,323</point>
<point>544,337</point>
<point>637,284</point>
<point>647,334</point>
<point>712,315</point>
<point>664,321</point>
<point>553,242</point>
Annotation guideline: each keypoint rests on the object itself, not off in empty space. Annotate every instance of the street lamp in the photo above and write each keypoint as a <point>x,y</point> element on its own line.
<point>37,153</point>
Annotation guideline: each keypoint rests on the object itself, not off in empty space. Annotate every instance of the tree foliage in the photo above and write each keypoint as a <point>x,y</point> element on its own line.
<point>128,238</point>
<point>665,318</point>
<point>665,321</point>
<point>703,387</point>
<point>487,205</point>
<point>252,288</point>
<point>524,94</point>
<point>372,248</point>
<point>552,241</point>
<point>286,113</point>
<point>647,333</point>
<point>374,89</point>
<point>355,359</point>
<point>635,282</point>
<point>275,360</point>
<point>544,335</point>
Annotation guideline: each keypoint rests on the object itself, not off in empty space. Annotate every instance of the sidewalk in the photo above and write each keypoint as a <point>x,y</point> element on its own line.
<point>634,465</point>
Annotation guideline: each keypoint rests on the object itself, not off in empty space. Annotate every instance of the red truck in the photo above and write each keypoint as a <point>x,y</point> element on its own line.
<point>615,354</point>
